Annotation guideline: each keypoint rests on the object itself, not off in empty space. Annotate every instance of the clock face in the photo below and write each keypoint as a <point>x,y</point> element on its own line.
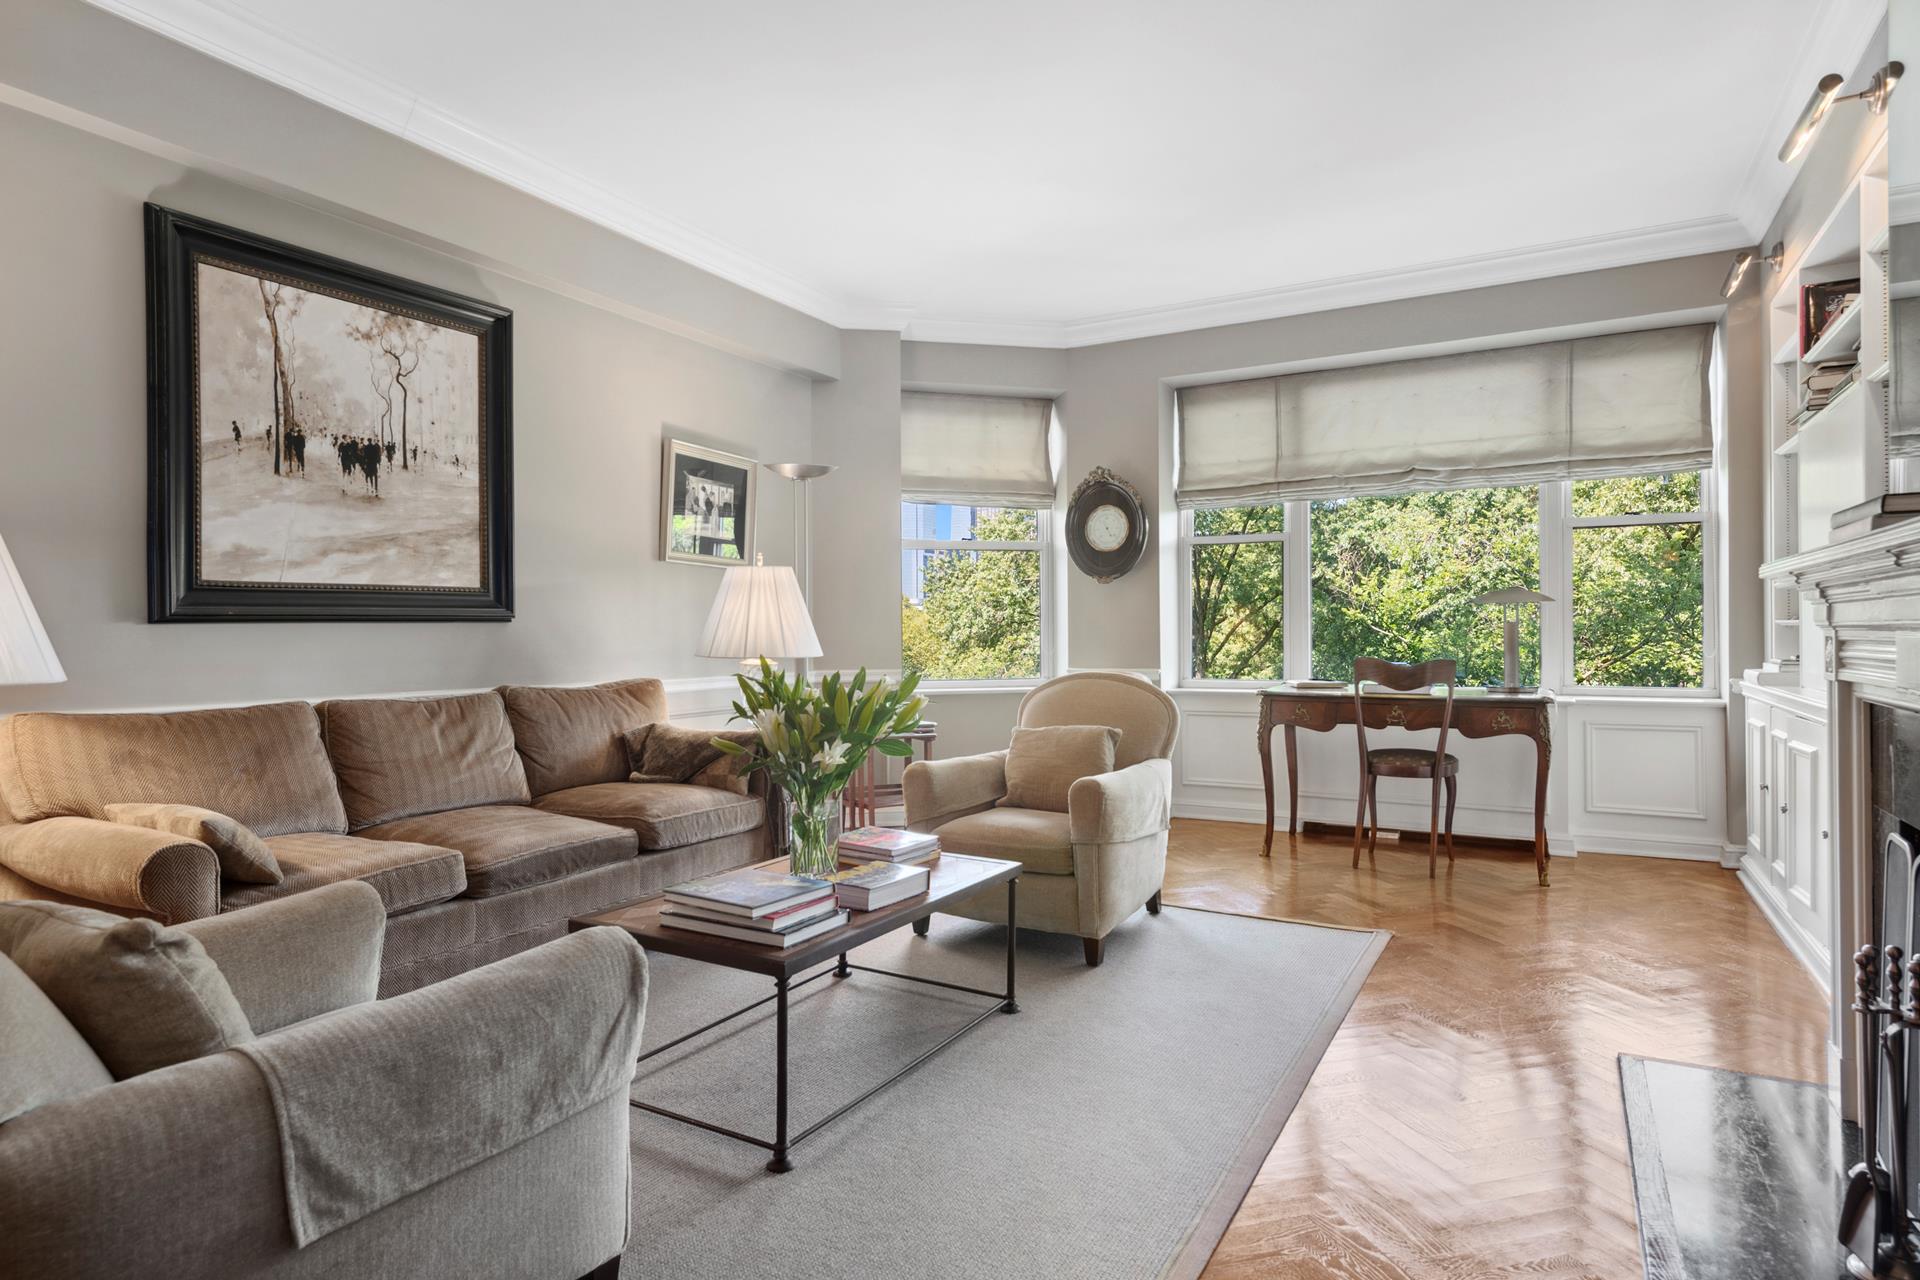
<point>1107,528</point>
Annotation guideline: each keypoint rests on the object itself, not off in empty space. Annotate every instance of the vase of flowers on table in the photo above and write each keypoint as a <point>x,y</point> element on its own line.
<point>813,739</point>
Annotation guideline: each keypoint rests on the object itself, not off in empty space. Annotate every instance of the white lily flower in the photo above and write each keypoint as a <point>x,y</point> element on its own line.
<point>830,757</point>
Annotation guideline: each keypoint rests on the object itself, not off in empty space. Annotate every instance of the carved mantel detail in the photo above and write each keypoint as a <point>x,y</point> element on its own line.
<point>1864,593</point>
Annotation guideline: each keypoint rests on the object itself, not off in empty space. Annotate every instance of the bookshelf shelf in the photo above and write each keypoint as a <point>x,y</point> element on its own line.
<point>1811,427</point>
<point>1841,336</point>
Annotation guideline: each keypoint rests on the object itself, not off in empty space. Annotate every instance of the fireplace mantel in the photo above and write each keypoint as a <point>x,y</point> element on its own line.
<point>1864,593</point>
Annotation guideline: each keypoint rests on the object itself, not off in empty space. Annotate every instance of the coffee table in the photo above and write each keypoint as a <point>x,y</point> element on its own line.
<point>953,876</point>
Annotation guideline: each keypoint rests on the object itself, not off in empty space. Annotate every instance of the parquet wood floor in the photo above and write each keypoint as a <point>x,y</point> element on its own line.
<point>1466,1122</point>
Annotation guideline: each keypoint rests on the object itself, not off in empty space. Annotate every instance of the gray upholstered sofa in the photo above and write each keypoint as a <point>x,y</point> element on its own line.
<point>484,820</point>
<point>478,1128</point>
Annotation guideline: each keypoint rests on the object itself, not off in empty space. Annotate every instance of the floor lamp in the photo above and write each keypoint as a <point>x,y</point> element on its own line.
<point>26,655</point>
<point>802,474</point>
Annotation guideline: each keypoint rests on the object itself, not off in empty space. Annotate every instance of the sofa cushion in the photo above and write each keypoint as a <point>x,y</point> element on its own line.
<point>1043,764</point>
<point>264,766</point>
<point>666,752</point>
<point>396,757</point>
<point>1037,838</point>
<point>405,875</point>
<point>573,737</point>
<point>42,1058</point>
<point>243,855</point>
<point>664,815</point>
<point>143,994</point>
<point>508,847</point>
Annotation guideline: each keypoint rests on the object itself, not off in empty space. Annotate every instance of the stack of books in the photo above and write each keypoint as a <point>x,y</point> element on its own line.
<point>754,904</point>
<point>888,844</point>
<point>868,886</point>
<point>1823,383</point>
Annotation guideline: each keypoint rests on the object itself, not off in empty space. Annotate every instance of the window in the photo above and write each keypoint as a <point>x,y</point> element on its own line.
<point>1236,570</point>
<point>1638,581</point>
<point>972,591</point>
<point>1395,577</point>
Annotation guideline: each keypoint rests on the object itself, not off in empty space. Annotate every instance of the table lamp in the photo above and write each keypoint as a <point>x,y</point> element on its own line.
<point>758,613</point>
<point>1510,599</point>
<point>26,655</point>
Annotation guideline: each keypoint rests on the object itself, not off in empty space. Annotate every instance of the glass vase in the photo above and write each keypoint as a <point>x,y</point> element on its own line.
<point>812,840</point>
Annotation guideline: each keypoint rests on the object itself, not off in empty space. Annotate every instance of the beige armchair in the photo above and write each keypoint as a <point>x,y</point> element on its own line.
<point>1086,869</point>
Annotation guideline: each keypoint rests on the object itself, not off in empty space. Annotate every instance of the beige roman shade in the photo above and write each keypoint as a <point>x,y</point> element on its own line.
<point>1608,405</point>
<point>986,450</point>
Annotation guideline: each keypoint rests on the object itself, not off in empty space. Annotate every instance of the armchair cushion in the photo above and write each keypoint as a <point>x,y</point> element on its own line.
<point>1123,805</point>
<point>484,1060</point>
<point>144,996</point>
<point>296,958</point>
<point>1043,763</point>
<point>42,1058</point>
<point>120,866</point>
<point>243,855</point>
<point>1037,838</point>
<point>939,790</point>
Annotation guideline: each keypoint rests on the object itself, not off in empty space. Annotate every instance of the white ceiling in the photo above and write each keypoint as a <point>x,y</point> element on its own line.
<point>1062,171</point>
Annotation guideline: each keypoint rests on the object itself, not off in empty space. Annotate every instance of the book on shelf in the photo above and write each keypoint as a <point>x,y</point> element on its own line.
<point>872,885</point>
<point>886,843</point>
<point>1820,305</point>
<point>748,892</point>
<point>742,932</point>
<point>782,921</point>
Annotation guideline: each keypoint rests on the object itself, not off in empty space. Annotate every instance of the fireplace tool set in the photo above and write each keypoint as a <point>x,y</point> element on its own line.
<point>1876,1222</point>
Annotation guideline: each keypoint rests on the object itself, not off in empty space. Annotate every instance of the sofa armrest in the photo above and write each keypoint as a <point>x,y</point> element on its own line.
<point>299,956</point>
<point>1123,805</point>
<point>938,791</point>
<point>116,865</point>
<point>180,1172</point>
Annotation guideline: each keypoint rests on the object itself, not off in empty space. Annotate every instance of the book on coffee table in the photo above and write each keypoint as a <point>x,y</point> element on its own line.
<point>747,933</point>
<point>870,886</point>
<point>785,920</point>
<point>887,844</point>
<point>748,892</point>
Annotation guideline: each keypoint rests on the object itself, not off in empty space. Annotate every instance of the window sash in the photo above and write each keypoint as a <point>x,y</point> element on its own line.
<point>1040,546</point>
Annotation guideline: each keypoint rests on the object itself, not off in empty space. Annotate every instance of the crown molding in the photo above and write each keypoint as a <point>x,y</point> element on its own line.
<point>1835,39</point>
<point>228,34</point>
<point>1567,257</point>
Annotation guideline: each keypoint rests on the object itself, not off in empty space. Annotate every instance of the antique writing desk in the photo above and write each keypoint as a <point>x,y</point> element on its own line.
<point>1476,715</point>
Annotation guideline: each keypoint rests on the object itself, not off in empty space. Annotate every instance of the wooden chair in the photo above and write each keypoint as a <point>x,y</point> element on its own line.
<point>1405,762</point>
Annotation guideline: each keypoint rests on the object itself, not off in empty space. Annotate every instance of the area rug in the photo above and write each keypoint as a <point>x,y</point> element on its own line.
<point>1109,1129</point>
<point>1734,1175</point>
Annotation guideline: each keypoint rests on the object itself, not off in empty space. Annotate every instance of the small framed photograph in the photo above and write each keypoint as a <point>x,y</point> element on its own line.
<point>706,505</point>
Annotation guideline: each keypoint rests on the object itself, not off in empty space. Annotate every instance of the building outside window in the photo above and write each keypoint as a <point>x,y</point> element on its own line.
<point>972,592</point>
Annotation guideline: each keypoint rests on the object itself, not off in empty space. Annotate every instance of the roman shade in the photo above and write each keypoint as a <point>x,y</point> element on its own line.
<point>983,450</point>
<point>1610,405</point>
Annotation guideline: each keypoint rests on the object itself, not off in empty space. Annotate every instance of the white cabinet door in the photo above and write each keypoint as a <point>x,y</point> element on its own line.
<point>1780,850</point>
<point>1759,824</point>
<point>1804,821</point>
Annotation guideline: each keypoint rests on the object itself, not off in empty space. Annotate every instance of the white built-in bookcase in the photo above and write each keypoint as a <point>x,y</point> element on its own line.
<point>1838,457</point>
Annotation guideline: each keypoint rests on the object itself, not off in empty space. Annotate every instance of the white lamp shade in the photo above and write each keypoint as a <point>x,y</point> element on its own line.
<point>26,655</point>
<point>759,613</point>
<point>1513,595</point>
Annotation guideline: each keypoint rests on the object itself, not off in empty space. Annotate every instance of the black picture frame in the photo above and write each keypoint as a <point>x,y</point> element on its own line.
<point>176,242</point>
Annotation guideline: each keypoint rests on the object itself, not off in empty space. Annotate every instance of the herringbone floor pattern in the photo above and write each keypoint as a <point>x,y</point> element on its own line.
<point>1466,1122</point>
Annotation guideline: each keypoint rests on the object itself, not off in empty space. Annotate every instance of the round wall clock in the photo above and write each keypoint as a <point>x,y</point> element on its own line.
<point>1106,526</point>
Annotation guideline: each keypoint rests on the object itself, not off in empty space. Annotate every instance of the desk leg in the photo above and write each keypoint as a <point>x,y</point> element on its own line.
<point>1266,773</point>
<point>1543,755</point>
<point>1293,783</point>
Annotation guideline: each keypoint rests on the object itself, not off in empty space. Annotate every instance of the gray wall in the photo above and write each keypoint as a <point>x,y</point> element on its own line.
<point>594,390</point>
<point>856,510</point>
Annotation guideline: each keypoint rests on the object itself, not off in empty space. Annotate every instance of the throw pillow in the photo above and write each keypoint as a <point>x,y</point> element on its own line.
<point>1043,764</point>
<point>662,752</point>
<point>243,855</point>
<point>143,995</point>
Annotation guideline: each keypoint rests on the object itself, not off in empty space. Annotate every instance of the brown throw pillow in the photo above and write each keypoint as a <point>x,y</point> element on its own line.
<point>1043,764</point>
<point>662,752</point>
<point>243,855</point>
<point>144,995</point>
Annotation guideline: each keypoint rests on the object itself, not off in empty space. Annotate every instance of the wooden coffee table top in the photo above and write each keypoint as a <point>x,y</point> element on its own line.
<point>953,876</point>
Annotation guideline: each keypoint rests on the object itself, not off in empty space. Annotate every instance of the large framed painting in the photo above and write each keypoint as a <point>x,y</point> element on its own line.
<point>325,442</point>
<point>706,505</point>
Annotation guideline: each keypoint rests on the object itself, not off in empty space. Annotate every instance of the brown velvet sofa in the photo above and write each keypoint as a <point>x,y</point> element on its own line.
<point>483,820</point>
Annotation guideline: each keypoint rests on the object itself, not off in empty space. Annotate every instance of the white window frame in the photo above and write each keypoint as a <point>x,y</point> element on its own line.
<point>1042,544</point>
<point>1557,524</point>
